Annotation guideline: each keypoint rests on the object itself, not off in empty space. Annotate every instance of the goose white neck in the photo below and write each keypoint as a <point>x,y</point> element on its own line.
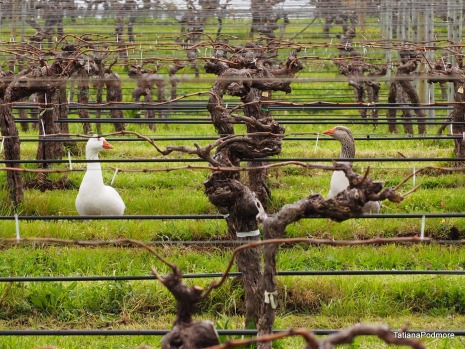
<point>93,174</point>
<point>92,154</point>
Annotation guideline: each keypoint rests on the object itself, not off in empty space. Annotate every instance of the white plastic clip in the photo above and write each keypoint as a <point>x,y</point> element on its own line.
<point>2,145</point>
<point>69,160</point>
<point>316,143</point>
<point>226,215</point>
<point>269,298</point>
<point>422,231</point>
<point>261,215</point>
<point>463,135</point>
<point>248,233</point>
<point>114,176</point>
<point>18,236</point>
<point>414,178</point>
<point>43,127</point>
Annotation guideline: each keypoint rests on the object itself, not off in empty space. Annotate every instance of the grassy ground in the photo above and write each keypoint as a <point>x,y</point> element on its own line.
<point>420,302</point>
<point>317,302</point>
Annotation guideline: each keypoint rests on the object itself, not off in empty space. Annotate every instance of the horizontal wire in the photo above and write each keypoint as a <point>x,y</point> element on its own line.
<point>366,121</point>
<point>290,121</point>
<point>184,160</point>
<point>231,274</point>
<point>219,331</point>
<point>239,332</point>
<point>286,137</point>
<point>205,121</point>
<point>272,105</point>
<point>215,216</point>
<point>212,243</point>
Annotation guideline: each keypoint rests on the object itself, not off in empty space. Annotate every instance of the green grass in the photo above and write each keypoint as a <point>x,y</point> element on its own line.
<point>316,302</point>
<point>425,302</point>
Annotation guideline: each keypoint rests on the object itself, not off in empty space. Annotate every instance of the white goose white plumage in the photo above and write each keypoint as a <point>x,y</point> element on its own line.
<point>94,197</point>
<point>339,181</point>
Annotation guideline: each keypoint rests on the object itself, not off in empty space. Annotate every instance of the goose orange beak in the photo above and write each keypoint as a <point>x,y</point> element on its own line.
<point>329,132</point>
<point>107,145</point>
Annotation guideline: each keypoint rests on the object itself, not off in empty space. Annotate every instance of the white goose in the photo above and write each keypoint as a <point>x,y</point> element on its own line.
<point>339,181</point>
<point>94,197</point>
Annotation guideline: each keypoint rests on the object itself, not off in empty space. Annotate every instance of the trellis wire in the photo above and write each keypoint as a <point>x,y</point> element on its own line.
<point>231,274</point>
<point>217,216</point>
<point>287,137</point>
<point>284,122</point>
<point>165,160</point>
<point>163,332</point>
<point>276,105</point>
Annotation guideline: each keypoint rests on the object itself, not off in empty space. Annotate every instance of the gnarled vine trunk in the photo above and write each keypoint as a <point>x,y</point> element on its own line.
<point>11,148</point>
<point>251,76</point>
